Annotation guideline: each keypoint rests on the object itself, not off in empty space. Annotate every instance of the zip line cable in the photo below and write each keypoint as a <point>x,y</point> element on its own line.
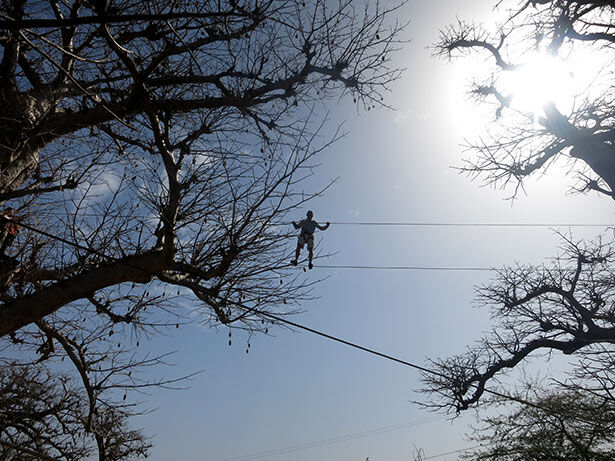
<point>410,268</point>
<point>334,338</point>
<point>248,310</point>
<point>460,224</point>
<point>403,223</point>
<point>416,268</point>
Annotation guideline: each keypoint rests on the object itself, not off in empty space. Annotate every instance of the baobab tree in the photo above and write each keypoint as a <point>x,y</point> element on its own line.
<point>152,151</point>
<point>181,128</point>
<point>566,305</point>
<point>554,425</point>
<point>551,44</point>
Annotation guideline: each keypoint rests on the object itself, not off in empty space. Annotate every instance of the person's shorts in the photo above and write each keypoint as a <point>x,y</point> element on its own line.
<point>303,239</point>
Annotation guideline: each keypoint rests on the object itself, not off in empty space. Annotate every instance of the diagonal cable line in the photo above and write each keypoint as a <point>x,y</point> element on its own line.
<point>330,441</point>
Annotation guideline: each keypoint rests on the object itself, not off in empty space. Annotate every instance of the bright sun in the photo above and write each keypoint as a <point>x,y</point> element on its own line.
<point>540,79</point>
<point>544,78</point>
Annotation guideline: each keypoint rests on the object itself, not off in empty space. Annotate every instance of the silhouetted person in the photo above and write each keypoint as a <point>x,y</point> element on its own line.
<point>8,229</point>
<point>307,226</point>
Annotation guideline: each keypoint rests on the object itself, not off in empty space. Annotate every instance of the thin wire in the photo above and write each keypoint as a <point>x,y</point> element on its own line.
<point>342,438</point>
<point>411,268</point>
<point>454,224</point>
<point>451,452</point>
<point>339,340</point>
<point>413,224</point>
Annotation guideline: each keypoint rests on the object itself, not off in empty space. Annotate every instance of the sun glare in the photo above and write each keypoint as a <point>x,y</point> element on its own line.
<point>541,79</point>
<point>544,78</point>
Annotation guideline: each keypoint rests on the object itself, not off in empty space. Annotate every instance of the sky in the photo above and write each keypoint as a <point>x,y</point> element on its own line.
<point>323,400</point>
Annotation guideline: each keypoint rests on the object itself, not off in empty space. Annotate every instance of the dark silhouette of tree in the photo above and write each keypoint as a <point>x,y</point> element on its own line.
<point>183,128</point>
<point>32,402</point>
<point>556,426</point>
<point>67,398</point>
<point>565,306</point>
<point>519,144</point>
<point>153,150</point>
<point>44,417</point>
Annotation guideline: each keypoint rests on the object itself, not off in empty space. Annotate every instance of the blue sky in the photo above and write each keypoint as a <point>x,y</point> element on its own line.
<point>294,388</point>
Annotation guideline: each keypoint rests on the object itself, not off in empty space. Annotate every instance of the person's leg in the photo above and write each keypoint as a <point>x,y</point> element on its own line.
<point>7,242</point>
<point>300,244</point>
<point>4,236</point>
<point>311,251</point>
<point>297,253</point>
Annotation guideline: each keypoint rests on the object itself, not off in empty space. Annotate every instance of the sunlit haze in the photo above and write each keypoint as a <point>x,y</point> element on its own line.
<point>543,78</point>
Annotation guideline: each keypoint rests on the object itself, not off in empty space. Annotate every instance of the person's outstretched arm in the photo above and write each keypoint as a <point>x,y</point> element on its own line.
<point>325,227</point>
<point>296,225</point>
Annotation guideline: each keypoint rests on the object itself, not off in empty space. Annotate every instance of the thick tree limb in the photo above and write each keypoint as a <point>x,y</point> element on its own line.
<point>26,310</point>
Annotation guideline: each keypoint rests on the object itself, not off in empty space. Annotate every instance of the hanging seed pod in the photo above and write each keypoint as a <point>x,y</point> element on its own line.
<point>281,282</point>
<point>230,342</point>
<point>304,270</point>
<point>266,330</point>
<point>177,325</point>
<point>177,292</point>
<point>247,351</point>
<point>249,345</point>
<point>118,345</point>
<point>124,398</point>
<point>110,332</point>
<point>137,343</point>
<point>262,321</point>
<point>284,301</point>
<point>230,334</point>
